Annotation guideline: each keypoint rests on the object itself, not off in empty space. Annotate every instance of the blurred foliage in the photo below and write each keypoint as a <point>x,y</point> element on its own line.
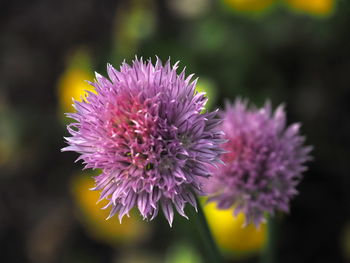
<point>9,135</point>
<point>249,5</point>
<point>182,253</point>
<point>138,257</point>
<point>135,21</point>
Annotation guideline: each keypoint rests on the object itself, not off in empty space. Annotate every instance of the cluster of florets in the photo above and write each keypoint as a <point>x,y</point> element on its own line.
<point>263,163</point>
<point>146,129</point>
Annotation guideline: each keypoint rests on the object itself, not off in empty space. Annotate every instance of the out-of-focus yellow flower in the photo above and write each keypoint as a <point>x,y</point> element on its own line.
<point>230,234</point>
<point>110,231</point>
<point>72,83</point>
<point>249,5</point>
<point>315,7</point>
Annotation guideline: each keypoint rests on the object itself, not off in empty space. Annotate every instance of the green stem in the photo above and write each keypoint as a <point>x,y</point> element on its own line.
<point>269,253</point>
<point>211,249</point>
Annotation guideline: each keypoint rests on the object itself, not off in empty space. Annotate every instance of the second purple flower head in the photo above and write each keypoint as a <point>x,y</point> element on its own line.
<point>263,164</point>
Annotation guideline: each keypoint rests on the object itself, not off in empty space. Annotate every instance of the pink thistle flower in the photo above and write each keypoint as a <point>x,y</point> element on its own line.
<point>145,130</point>
<point>263,163</point>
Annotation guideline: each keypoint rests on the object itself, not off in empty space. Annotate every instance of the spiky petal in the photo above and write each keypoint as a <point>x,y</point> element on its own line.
<point>145,130</point>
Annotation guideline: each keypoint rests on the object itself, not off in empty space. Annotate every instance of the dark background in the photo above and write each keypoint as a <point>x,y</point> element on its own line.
<point>286,55</point>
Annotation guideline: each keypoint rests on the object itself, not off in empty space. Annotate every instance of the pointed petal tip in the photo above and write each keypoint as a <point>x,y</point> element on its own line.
<point>98,75</point>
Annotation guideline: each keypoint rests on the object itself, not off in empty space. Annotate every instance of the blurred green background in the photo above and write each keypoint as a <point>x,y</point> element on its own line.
<point>289,51</point>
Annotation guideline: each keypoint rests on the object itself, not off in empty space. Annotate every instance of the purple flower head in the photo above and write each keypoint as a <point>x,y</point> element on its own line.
<point>144,129</point>
<point>263,163</point>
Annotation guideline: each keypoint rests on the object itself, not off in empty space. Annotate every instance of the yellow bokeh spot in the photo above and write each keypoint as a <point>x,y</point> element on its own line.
<point>229,232</point>
<point>208,87</point>
<point>72,84</point>
<point>249,5</point>
<point>316,7</point>
<point>110,231</point>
